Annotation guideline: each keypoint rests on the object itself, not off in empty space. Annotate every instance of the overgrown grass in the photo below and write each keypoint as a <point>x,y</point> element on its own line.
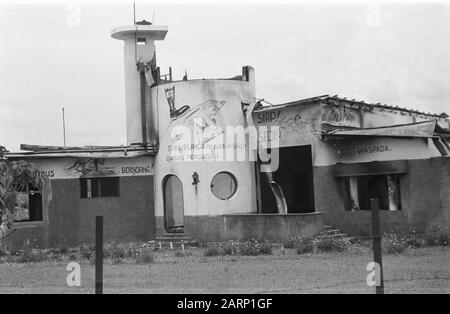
<point>439,236</point>
<point>115,253</point>
<point>247,248</point>
<point>180,253</point>
<point>144,257</point>
<point>331,245</point>
<point>86,252</point>
<point>229,248</point>
<point>144,253</point>
<point>304,246</point>
<point>392,242</point>
<point>212,251</point>
<point>396,243</point>
<point>291,242</point>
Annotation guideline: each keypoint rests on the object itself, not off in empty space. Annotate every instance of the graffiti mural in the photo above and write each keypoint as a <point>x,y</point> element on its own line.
<point>89,167</point>
<point>204,116</point>
<point>173,111</point>
<point>295,124</point>
<point>340,116</point>
<point>69,168</point>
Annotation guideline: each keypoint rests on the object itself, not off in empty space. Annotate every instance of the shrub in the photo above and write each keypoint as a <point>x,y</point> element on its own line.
<point>53,254</point>
<point>413,241</point>
<point>4,256</point>
<point>212,251</point>
<point>116,261</point>
<point>265,249</point>
<point>438,237</point>
<point>30,256</point>
<point>14,252</point>
<point>291,242</point>
<point>331,245</point>
<point>228,248</point>
<point>10,259</point>
<point>301,244</point>
<point>144,257</point>
<point>114,251</point>
<point>28,253</point>
<point>304,245</point>
<point>134,249</point>
<point>393,243</point>
<point>74,256</point>
<point>86,252</point>
<point>140,253</point>
<point>131,250</point>
<point>254,248</point>
<point>325,245</point>
<point>180,253</point>
<point>249,248</point>
<point>61,249</point>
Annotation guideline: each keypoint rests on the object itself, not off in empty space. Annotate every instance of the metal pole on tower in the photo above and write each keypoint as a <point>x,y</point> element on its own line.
<point>135,32</point>
<point>64,126</point>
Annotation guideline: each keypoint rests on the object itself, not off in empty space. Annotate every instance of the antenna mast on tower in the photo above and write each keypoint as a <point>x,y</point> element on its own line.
<point>64,126</point>
<point>135,32</point>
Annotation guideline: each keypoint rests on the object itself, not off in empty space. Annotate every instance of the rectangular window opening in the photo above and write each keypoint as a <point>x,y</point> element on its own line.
<point>385,188</point>
<point>99,187</point>
<point>141,41</point>
<point>28,205</point>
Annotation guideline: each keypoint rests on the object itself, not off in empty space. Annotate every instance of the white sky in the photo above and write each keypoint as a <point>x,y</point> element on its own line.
<point>393,53</point>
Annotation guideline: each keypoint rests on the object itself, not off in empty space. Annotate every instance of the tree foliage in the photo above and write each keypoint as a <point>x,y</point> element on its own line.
<point>14,176</point>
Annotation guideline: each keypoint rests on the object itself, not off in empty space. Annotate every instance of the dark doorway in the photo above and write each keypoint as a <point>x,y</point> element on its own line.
<point>295,177</point>
<point>35,200</point>
<point>173,204</point>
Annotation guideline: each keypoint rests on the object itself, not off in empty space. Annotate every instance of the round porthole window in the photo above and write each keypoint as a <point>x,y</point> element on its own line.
<point>224,185</point>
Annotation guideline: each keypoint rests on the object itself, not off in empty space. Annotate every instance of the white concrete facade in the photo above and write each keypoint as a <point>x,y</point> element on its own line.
<point>134,51</point>
<point>216,103</point>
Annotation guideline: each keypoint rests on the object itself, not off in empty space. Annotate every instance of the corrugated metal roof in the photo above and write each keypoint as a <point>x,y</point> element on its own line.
<point>351,102</point>
<point>421,129</point>
<point>36,151</point>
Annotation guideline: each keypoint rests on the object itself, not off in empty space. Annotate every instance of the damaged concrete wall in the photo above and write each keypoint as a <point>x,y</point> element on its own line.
<point>193,119</point>
<point>272,227</point>
<point>71,220</point>
<point>424,193</point>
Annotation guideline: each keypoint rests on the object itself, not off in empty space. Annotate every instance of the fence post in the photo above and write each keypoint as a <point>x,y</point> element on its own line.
<point>376,236</point>
<point>99,255</point>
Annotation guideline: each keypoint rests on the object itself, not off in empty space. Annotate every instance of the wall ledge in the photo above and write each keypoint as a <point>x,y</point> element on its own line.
<point>28,224</point>
<point>276,215</point>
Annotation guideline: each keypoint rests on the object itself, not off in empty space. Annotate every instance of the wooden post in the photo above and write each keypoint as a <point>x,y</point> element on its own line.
<point>376,236</point>
<point>99,255</point>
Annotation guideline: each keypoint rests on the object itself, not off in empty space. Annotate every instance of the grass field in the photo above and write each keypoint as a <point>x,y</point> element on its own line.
<point>425,270</point>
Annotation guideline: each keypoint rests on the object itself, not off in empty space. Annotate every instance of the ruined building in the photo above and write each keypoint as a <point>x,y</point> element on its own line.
<point>208,160</point>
